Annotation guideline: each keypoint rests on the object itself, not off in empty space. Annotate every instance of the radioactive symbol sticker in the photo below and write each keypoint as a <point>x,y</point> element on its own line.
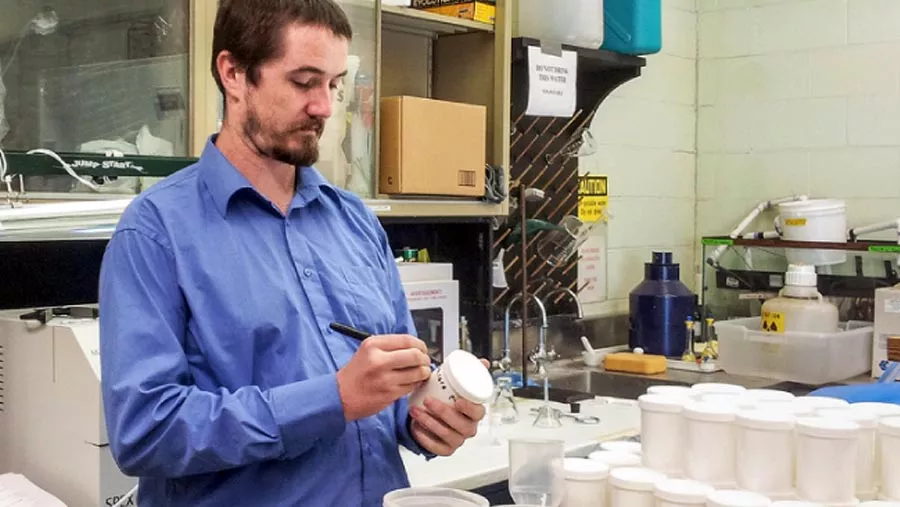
<point>773,322</point>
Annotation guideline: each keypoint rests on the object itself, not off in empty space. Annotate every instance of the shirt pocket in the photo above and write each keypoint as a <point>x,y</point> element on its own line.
<point>372,304</point>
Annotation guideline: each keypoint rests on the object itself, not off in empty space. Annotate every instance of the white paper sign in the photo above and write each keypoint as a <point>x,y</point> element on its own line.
<point>592,269</point>
<point>552,81</point>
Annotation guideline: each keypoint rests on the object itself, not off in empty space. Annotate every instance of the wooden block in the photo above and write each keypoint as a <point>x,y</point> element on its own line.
<point>629,362</point>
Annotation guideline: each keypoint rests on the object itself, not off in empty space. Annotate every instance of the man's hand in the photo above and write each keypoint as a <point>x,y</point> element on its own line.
<point>383,370</point>
<point>442,428</point>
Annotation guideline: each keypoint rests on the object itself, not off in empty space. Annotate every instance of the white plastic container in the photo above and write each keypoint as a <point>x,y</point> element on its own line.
<point>799,306</point>
<point>866,477</point>
<point>668,390</point>
<point>433,497</point>
<point>735,498</point>
<point>889,437</point>
<point>718,388</point>
<point>880,503</point>
<point>789,407</point>
<point>461,376</point>
<point>817,220</point>
<point>616,459</point>
<point>763,395</point>
<point>573,22</point>
<point>795,503</point>
<point>681,493</point>
<point>710,437</point>
<point>586,483</point>
<point>807,358</point>
<point>880,411</point>
<point>633,487</point>
<point>622,446</point>
<point>662,433</point>
<point>826,460</point>
<point>765,443</point>
<point>816,403</point>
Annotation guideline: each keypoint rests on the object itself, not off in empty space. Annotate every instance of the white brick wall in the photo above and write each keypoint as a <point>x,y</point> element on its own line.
<point>646,131</point>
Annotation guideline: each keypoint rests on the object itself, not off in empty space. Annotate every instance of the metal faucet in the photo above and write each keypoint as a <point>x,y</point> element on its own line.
<point>538,357</point>
<point>579,310</point>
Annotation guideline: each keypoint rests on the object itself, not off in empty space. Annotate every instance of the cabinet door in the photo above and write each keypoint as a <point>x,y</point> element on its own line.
<point>95,76</point>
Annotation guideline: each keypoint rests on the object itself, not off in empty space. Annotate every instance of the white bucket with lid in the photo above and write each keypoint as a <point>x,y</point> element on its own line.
<point>586,481</point>
<point>633,487</point>
<point>736,498</point>
<point>814,220</point>
<point>434,497</point>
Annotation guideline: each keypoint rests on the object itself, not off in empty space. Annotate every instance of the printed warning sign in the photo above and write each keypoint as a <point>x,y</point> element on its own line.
<point>593,198</point>
<point>773,322</point>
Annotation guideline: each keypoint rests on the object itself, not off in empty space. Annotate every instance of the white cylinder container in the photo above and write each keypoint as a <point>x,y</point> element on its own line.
<point>880,503</point>
<point>461,376</point>
<point>633,487</point>
<point>815,220</point>
<point>826,460</point>
<point>763,395</point>
<point>889,437</point>
<point>668,390</point>
<point>734,498</point>
<point>788,407</point>
<point>866,479</point>
<point>662,433</point>
<point>716,387</point>
<point>681,493</point>
<point>881,411</point>
<point>795,503</point>
<point>622,446</point>
<point>710,436</point>
<point>815,403</point>
<point>586,483</point>
<point>616,459</point>
<point>765,444</point>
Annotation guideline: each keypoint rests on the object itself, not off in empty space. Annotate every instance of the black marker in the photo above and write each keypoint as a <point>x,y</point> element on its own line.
<point>349,331</point>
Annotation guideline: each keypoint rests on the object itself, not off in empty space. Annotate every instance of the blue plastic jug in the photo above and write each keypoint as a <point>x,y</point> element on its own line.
<point>633,27</point>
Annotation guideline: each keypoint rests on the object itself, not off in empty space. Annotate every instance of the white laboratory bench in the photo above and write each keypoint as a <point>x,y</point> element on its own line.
<point>479,463</point>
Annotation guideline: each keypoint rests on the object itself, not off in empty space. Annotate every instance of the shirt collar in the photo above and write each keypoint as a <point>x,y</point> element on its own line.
<point>223,180</point>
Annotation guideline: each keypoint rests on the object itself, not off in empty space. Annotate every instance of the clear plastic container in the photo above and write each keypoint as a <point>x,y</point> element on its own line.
<point>633,487</point>
<point>827,449</point>
<point>710,434</point>
<point>572,22</point>
<point>536,473</point>
<point>765,443</point>
<point>662,433</point>
<point>586,483</point>
<point>808,358</point>
<point>434,497</point>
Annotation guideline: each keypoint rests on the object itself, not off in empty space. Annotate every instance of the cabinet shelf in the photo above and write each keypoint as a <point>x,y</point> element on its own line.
<point>438,24</point>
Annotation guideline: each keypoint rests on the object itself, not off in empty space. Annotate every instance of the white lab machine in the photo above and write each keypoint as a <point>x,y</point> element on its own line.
<point>51,421</point>
<point>433,298</point>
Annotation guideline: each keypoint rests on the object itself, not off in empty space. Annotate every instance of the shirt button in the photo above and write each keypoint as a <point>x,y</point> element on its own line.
<point>307,272</point>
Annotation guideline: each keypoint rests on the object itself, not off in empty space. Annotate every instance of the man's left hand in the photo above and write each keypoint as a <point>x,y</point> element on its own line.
<point>441,428</point>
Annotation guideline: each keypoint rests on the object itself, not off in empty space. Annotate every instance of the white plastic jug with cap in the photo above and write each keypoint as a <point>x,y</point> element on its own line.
<point>799,305</point>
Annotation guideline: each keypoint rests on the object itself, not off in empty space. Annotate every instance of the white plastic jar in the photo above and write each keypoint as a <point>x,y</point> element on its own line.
<point>795,503</point>
<point>826,460</point>
<point>717,387</point>
<point>710,435</point>
<point>762,395</point>
<point>681,493</point>
<point>815,403</point>
<point>622,446</point>
<point>662,433</point>
<point>789,407</point>
<point>461,376</point>
<point>616,459</point>
<point>764,440</point>
<point>586,483</point>
<point>880,503</point>
<point>881,411</point>
<point>633,487</point>
<point>866,482</point>
<point>735,498</point>
<point>889,436</point>
<point>668,390</point>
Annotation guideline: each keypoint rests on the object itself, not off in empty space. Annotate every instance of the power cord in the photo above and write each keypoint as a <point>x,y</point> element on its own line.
<point>66,167</point>
<point>495,187</point>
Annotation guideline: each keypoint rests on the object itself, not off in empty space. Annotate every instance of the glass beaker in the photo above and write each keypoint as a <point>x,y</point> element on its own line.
<point>536,471</point>
<point>504,405</point>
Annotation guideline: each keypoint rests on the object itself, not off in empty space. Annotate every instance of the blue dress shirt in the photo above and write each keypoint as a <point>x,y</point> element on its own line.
<point>218,365</point>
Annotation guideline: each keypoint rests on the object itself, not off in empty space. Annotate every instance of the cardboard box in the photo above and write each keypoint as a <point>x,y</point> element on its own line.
<point>476,11</point>
<point>432,147</point>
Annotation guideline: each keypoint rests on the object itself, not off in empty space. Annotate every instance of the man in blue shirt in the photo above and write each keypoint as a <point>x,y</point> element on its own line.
<point>222,381</point>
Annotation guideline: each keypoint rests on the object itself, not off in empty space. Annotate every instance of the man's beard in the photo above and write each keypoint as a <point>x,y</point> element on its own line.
<point>275,145</point>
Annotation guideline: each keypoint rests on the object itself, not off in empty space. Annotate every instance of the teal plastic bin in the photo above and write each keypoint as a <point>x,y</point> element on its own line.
<point>633,27</point>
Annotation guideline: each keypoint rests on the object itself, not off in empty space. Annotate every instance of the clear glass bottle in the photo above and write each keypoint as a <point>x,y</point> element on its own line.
<point>503,408</point>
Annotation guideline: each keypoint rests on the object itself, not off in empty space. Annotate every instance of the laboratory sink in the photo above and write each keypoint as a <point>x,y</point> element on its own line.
<point>613,385</point>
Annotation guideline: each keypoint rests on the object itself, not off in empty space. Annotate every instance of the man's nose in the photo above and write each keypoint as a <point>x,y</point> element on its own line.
<point>321,102</point>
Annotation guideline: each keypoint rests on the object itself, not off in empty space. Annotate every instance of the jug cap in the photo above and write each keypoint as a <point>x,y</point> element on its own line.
<point>801,275</point>
<point>468,376</point>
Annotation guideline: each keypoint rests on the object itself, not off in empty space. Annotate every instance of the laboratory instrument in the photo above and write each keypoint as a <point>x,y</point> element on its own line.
<point>765,445</point>
<point>659,307</point>
<point>633,487</point>
<point>662,433</point>
<point>586,483</point>
<point>827,450</point>
<point>799,306</point>
<point>710,433</point>
<point>536,473</point>
<point>433,497</point>
<point>461,377</point>
<point>681,493</point>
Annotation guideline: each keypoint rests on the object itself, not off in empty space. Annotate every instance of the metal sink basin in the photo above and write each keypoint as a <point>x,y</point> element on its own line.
<point>606,384</point>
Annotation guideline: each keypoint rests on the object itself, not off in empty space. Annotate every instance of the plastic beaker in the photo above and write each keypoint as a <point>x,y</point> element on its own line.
<point>433,497</point>
<point>536,473</point>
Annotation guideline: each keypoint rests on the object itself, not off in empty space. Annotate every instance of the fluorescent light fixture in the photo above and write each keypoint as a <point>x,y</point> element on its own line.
<point>62,216</point>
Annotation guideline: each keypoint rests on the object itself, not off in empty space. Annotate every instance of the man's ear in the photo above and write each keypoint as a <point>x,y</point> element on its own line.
<point>232,75</point>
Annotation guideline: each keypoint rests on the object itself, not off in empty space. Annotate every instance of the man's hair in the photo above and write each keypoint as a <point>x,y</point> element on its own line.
<point>251,30</point>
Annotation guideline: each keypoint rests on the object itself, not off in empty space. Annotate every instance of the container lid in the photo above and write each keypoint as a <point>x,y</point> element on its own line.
<point>682,490</point>
<point>824,427</point>
<point>468,376</point>
<point>801,275</point>
<point>795,503</point>
<point>726,399</point>
<point>817,402</point>
<point>433,497</point>
<point>813,205</point>
<point>865,420</point>
<point>890,426</point>
<point>735,498</point>
<point>585,469</point>
<point>616,459</point>
<point>671,390</point>
<point>714,412</point>
<point>635,478</point>
<point>622,447</point>
<point>760,395</point>
<point>880,503</point>
<point>766,419</point>
<point>879,409</point>
<point>661,403</point>
<point>788,407</point>
<point>715,387</point>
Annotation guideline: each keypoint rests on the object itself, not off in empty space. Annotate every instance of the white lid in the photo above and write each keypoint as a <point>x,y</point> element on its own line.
<point>816,402</point>
<point>890,426</point>
<point>760,395</point>
<point>635,478</point>
<point>468,376</point>
<point>704,411</point>
<point>787,407</point>
<point>661,403</point>
<point>682,490</point>
<point>670,390</point>
<point>824,427</point>
<point>795,503</point>
<point>880,503</point>
<point>433,497</point>
<point>715,387</point>
<point>863,418</point>
<point>735,498</point>
<point>800,275</point>
<point>766,420</point>
<point>726,399</point>
<point>879,409</point>
<point>622,447</point>
<point>616,459</point>
<point>585,469</point>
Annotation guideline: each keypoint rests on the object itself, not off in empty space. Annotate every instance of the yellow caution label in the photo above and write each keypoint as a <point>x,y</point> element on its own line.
<point>773,322</point>
<point>593,198</point>
<point>795,222</point>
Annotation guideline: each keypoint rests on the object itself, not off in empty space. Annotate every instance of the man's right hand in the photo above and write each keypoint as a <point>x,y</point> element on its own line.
<point>383,370</point>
